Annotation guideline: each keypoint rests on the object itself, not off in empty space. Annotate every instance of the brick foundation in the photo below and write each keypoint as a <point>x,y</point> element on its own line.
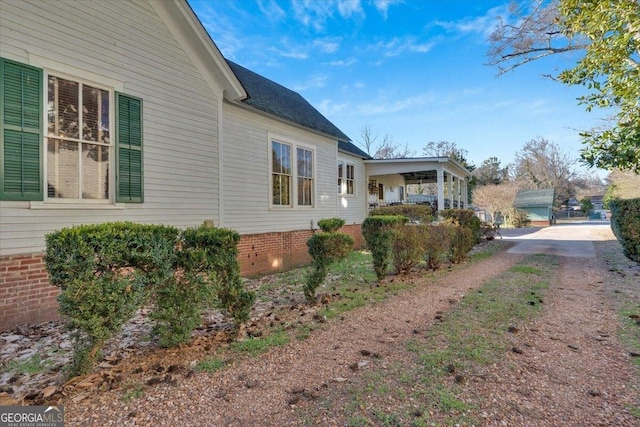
<point>26,296</point>
<point>25,293</point>
<point>271,252</point>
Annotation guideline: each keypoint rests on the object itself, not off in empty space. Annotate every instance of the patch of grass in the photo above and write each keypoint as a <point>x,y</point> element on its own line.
<point>473,334</point>
<point>132,390</point>
<point>256,346</point>
<point>210,364</point>
<point>31,365</point>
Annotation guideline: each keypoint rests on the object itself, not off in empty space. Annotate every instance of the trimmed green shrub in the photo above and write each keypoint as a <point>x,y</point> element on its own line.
<point>437,243</point>
<point>330,225</point>
<point>461,241</point>
<point>414,213</point>
<point>408,247</point>
<point>466,218</point>
<point>108,271</point>
<point>625,223</point>
<point>378,234</point>
<point>213,253</point>
<point>104,272</point>
<point>325,249</point>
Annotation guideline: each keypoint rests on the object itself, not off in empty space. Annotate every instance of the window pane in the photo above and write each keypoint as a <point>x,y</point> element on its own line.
<point>62,108</point>
<point>95,171</point>
<point>305,163</point>
<point>62,169</point>
<point>95,114</point>
<point>304,191</point>
<point>281,190</point>
<point>281,158</point>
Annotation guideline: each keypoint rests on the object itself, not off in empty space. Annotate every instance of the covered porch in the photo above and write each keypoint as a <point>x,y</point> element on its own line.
<point>389,180</point>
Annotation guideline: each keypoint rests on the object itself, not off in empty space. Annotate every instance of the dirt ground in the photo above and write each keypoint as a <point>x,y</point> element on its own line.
<point>574,368</point>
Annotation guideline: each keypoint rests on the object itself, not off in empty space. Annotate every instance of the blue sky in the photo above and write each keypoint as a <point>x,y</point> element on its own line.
<point>413,70</point>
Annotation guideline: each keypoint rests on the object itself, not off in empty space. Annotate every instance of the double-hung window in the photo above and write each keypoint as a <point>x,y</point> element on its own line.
<point>84,140</point>
<point>305,177</point>
<point>79,140</point>
<point>292,173</point>
<point>346,178</point>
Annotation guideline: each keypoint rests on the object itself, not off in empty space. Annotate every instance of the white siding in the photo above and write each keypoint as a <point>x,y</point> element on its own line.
<point>125,42</point>
<point>246,179</point>
<point>353,208</point>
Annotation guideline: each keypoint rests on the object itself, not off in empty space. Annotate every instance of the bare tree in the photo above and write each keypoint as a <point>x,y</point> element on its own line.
<point>496,198</point>
<point>382,148</point>
<point>490,172</point>
<point>447,149</point>
<point>541,164</point>
<point>531,30</point>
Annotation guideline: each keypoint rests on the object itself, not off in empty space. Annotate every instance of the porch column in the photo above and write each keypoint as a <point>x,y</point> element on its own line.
<point>450,190</point>
<point>440,185</point>
<point>458,189</point>
<point>465,194</point>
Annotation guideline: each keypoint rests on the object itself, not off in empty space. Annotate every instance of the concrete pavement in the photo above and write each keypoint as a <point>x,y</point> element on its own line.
<point>574,239</point>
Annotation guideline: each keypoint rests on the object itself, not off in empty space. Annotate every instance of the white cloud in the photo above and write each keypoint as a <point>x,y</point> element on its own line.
<point>348,8</point>
<point>383,6</point>
<point>328,44</point>
<point>384,106</point>
<point>484,24</point>
<point>343,62</point>
<point>330,109</point>
<point>398,46</point>
<point>272,11</point>
<point>317,81</point>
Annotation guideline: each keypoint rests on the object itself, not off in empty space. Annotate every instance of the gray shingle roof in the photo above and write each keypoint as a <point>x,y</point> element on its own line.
<point>273,98</point>
<point>351,148</point>
<point>533,198</point>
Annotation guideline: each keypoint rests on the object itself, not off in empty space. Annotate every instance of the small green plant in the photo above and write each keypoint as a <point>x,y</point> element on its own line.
<point>325,249</point>
<point>31,365</point>
<point>378,233</point>
<point>330,225</point>
<point>407,247</point>
<point>256,346</point>
<point>437,241</point>
<point>132,390</point>
<point>210,364</point>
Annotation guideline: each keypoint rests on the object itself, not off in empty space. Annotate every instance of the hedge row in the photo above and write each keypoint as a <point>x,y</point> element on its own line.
<point>393,239</point>
<point>107,271</point>
<point>625,223</point>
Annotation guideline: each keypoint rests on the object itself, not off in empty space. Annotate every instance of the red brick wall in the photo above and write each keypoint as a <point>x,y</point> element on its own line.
<point>25,293</point>
<point>26,296</point>
<point>270,252</point>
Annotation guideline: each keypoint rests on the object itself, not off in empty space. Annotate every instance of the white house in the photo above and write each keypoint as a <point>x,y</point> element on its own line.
<point>127,111</point>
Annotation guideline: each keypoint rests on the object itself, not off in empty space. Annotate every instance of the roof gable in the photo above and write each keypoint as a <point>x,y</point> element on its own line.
<point>273,98</point>
<point>529,198</point>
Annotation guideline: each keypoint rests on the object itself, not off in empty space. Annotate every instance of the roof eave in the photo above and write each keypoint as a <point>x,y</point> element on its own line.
<point>194,39</point>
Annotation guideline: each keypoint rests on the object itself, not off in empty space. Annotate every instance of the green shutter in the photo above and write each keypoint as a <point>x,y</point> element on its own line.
<point>129,178</point>
<point>20,132</point>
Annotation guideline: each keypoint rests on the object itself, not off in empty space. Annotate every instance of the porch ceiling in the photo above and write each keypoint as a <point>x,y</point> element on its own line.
<point>422,177</point>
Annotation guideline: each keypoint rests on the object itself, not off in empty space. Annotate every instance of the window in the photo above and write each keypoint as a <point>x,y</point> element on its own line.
<point>79,152</point>
<point>78,140</point>
<point>305,177</point>
<point>285,190</point>
<point>346,178</point>
<point>351,178</point>
<point>281,173</point>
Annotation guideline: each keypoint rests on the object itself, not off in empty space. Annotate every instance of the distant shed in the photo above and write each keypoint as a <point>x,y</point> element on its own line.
<point>538,204</point>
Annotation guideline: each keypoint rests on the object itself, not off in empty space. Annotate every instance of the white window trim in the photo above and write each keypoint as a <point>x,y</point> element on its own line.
<point>343,187</point>
<point>294,144</point>
<point>84,77</point>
